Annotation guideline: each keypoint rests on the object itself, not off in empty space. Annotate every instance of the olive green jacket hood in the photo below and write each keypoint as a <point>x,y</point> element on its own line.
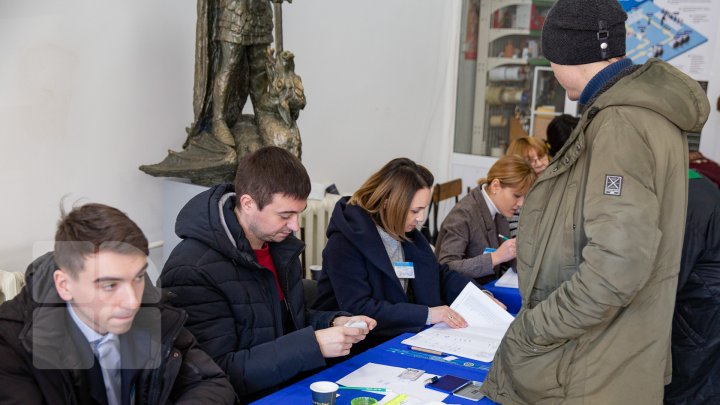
<point>681,100</point>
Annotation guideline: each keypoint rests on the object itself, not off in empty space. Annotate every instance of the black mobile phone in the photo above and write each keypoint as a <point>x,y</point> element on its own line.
<point>448,383</point>
<point>470,391</point>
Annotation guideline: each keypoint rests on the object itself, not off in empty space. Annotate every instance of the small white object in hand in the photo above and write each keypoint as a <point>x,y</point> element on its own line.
<point>356,324</point>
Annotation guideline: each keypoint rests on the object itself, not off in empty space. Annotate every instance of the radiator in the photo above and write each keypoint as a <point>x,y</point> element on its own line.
<point>314,222</point>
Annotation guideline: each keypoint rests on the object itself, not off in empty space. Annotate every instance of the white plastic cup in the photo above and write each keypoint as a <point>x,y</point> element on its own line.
<point>324,392</point>
<point>315,270</point>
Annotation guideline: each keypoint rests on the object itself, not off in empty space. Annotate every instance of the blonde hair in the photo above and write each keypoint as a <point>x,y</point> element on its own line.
<point>387,195</point>
<point>523,146</point>
<point>511,171</point>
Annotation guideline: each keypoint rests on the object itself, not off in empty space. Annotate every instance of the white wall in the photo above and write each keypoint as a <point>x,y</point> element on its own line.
<point>379,78</point>
<point>91,89</point>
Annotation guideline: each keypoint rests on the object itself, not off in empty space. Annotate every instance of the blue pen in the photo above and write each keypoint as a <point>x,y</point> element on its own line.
<point>504,238</point>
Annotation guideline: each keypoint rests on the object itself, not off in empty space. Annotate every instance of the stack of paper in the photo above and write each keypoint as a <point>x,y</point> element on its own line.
<point>388,377</point>
<point>509,279</point>
<point>487,324</point>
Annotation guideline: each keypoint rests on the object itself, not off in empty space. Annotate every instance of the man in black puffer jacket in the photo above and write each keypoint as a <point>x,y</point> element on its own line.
<point>90,329</point>
<point>237,273</point>
<point>695,329</point>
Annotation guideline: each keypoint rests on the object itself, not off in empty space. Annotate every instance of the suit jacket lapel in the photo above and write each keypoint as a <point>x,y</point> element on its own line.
<point>92,385</point>
<point>491,231</point>
<point>134,347</point>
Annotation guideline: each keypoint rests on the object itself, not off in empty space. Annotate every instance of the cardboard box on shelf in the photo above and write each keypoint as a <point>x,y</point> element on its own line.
<point>516,129</point>
<point>543,115</point>
<point>540,125</point>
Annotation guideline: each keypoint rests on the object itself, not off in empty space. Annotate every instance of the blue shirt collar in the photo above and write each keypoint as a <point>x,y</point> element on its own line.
<point>90,334</point>
<point>111,377</point>
<point>602,77</point>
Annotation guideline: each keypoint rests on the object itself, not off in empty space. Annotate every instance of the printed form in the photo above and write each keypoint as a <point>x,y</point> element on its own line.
<point>487,324</point>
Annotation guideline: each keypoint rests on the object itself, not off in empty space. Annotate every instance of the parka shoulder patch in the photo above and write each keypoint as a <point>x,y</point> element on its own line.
<point>613,185</point>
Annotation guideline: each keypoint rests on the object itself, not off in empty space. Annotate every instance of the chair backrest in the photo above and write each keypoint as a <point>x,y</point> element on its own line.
<point>442,191</point>
<point>10,284</point>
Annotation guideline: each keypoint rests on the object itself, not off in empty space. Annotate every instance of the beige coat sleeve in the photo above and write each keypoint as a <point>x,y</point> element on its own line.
<point>10,284</point>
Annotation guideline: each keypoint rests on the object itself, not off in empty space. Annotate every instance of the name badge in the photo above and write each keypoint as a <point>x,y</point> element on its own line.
<point>488,250</point>
<point>404,269</point>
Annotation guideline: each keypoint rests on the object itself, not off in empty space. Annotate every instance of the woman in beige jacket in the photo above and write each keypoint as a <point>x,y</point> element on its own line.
<point>473,237</point>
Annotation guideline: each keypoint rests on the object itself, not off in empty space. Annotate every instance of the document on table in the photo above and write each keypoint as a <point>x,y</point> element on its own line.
<point>487,324</point>
<point>509,279</point>
<point>382,376</point>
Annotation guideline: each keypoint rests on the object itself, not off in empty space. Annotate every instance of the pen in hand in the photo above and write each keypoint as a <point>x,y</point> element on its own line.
<point>503,237</point>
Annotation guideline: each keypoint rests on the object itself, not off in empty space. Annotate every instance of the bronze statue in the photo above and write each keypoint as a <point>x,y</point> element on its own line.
<point>234,61</point>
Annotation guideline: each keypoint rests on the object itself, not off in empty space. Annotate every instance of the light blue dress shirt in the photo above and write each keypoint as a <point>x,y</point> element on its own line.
<point>107,350</point>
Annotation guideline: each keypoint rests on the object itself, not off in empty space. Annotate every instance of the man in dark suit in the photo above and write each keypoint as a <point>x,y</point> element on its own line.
<point>88,328</point>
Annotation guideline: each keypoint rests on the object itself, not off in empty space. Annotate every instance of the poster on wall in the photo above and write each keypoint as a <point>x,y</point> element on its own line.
<point>680,32</point>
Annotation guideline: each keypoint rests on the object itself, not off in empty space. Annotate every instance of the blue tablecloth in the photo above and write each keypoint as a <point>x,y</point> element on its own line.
<point>508,296</point>
<point>391,353</point>
<point>394,353</point>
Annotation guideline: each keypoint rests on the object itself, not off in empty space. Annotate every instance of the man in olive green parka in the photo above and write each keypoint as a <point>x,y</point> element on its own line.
<point>601,231</point>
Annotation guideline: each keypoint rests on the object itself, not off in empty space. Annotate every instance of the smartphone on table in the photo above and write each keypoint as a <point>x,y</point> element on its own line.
<point>470,391</point>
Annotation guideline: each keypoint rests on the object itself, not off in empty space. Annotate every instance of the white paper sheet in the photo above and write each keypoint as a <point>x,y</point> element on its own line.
<point>508,280</point>
<point>382,376</point>
<point>487,323</point>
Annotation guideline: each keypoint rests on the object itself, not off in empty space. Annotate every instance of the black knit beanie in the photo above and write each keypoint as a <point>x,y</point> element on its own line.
<point>577,32</point>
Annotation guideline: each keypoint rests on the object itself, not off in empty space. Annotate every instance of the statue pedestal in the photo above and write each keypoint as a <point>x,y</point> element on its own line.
<point>176,194</point>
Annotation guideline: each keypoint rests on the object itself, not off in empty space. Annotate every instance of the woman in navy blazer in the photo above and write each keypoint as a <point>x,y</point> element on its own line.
<point>378,264</point>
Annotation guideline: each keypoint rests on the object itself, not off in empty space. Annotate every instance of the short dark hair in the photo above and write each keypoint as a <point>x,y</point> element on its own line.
<point>396,182</point>
<point>268,171</point>
<point>90,228</point>
<point>559,130</point>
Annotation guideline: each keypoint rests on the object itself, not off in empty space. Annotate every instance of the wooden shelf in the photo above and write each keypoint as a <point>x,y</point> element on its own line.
<point>498,4</point>
<point>495,62</point>
<point>497,33</point>
<point>546,3</point>
<point>538,62</point>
